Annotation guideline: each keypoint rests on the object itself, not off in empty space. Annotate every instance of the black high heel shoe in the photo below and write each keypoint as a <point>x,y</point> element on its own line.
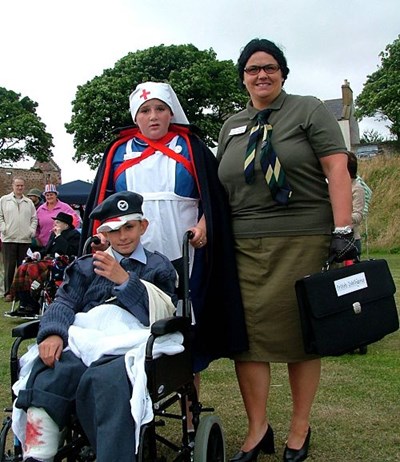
<point>298,455</point>
<point>266,445</point>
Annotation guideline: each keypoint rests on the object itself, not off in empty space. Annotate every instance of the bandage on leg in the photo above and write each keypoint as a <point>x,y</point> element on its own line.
<point>42,435</point>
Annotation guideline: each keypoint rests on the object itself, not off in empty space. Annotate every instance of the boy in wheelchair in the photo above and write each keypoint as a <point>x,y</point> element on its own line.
<point>125,282</point>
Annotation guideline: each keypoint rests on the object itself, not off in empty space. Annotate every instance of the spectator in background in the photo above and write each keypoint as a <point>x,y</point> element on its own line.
<point>368,199</point>
<point>64,240</point>
<point>48,211</point>
<point>361,195</point>
<point>18,222</point>
<point>35,195</point>
<point>358,195</point>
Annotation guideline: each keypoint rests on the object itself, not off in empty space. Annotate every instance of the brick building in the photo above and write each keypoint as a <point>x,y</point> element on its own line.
<point>38,176</point>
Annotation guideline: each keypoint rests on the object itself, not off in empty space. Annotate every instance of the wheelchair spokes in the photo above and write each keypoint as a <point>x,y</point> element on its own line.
<point>10,447</point>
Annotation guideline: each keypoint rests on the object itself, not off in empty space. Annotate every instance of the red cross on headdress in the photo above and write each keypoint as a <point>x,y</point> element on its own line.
<point>144,94</point>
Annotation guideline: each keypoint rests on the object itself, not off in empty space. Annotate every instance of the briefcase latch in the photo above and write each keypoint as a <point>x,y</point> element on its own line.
<point>357,307</point>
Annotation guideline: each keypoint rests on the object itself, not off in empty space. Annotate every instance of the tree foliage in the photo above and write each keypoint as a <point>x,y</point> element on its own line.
<point>22,134</point>
<point>371,136</point>
<point>207,89</point>
<point>380,96</point>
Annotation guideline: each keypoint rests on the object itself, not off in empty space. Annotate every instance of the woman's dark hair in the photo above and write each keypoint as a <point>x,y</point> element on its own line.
<point>352,164</point>
<point>267,47</point>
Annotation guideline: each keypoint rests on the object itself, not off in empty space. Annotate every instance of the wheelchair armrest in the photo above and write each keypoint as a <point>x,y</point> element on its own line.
<point>26,330</point>
<point>169,325</point>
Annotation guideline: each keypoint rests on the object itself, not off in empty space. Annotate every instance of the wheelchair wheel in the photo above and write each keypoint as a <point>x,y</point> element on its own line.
<point>209,443</point>
<point>10,447</point>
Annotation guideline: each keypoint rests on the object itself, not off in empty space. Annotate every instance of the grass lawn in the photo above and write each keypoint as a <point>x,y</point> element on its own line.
<point>356,413</point>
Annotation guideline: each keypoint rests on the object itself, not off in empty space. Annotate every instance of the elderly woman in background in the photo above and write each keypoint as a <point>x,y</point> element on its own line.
<point>275,157</point>
<point>46,213</point>
<point>64,238</point>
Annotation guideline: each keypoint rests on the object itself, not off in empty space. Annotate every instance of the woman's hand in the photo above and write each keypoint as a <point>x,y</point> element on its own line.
<point>59,227</point>
<point>50,349</point>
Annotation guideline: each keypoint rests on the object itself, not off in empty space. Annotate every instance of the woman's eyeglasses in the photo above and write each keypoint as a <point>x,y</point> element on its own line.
<point>268,69</point>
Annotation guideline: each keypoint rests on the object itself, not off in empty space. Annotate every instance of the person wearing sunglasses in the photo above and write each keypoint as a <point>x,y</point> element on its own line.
<point>275,159</point>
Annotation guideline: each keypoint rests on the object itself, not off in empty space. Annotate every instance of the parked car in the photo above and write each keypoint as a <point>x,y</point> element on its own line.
<point>367,151</point>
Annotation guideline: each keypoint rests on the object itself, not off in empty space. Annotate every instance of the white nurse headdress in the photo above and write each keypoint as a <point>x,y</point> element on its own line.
<point>157,90</point>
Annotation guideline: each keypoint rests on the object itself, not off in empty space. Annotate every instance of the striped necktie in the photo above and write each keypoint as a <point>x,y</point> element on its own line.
<point>273,172</point>
<point>126,263</point>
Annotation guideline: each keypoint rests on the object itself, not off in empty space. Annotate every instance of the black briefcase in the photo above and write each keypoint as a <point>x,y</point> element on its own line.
<point>346,308</point>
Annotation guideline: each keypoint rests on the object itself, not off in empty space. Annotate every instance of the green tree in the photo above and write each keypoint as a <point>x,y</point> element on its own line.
<point>380,96</point>
<point>22,134</point>
<point>371,136</point>
<point>207,89</point>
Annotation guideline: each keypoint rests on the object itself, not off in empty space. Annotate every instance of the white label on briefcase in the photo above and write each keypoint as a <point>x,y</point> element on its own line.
<point>350,284</point>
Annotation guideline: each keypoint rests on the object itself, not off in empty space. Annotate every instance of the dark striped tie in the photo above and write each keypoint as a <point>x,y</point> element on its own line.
<point>274,174</point>
<point>126,263</point>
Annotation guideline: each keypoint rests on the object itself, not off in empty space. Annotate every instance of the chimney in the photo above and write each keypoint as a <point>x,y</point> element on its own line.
<point>347,94</point>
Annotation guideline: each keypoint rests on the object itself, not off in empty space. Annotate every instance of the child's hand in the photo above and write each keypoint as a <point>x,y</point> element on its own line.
<point>102,245</point>
<point>107,266</point>
<point>199,238</point>
<point>50,349</point>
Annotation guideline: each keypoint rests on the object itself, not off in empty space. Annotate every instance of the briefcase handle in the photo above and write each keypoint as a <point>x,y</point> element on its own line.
<point>331,259</point>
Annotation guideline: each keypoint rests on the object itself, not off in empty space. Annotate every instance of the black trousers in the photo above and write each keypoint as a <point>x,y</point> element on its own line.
<point>13,254</point>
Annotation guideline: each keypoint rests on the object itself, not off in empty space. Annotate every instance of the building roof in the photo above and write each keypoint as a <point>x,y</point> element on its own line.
<point>335,106</point>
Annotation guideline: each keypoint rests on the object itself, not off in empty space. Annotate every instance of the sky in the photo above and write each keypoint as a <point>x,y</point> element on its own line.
<point>50,47</point>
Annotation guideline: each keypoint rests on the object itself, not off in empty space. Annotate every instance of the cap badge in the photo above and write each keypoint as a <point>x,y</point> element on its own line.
<point>122,205</point>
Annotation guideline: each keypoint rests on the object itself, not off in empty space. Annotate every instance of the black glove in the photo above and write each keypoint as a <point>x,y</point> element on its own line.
<point>342,247</point>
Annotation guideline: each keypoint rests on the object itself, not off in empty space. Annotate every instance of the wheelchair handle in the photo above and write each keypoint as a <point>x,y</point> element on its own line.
<point>90,240</point>
<point>186,276</point>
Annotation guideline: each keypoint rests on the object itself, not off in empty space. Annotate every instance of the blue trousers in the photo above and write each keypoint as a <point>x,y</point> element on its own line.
<point>98,394</point>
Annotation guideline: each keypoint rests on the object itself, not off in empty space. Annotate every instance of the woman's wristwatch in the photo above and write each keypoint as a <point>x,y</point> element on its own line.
<point>343,230</point>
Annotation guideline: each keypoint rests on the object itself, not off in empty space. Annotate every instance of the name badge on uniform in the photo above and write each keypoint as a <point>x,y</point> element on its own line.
<point>237,130</point>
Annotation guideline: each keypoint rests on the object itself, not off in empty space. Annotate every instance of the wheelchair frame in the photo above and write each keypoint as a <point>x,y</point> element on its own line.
<point>45,291</point>
<point>205,444</point>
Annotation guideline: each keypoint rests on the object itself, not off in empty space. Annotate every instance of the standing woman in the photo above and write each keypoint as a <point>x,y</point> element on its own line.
<point>48,211</point>
<point>283,221</point>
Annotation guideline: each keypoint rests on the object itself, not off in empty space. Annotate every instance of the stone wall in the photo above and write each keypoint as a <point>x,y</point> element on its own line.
<point>36,177</point>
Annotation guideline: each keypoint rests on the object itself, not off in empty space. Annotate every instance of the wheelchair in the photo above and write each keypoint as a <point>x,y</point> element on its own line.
<point>37,285</point>
<point>170,394</point>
